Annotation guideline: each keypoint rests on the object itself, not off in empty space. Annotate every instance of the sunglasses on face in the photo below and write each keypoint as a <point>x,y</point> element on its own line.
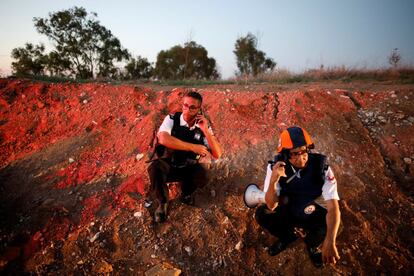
<point>298,153</point>
<point>191,107</point>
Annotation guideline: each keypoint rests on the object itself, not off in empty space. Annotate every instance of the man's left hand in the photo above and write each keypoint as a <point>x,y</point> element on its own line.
<point>329,253</point>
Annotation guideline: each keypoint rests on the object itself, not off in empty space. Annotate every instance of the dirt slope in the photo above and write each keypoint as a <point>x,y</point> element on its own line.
<point>73,172</point>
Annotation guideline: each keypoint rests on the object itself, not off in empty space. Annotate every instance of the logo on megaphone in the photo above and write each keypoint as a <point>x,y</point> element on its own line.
<point>253,196</point>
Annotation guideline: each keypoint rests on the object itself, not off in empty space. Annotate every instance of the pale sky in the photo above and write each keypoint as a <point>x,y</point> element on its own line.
<point>298,35</point>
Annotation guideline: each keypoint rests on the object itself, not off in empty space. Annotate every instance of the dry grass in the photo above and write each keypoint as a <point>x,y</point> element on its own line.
<point>281,76</point>
<point>342,73</point>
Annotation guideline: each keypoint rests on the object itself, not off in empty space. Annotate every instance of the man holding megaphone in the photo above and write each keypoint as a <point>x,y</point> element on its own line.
<point>300,191</point>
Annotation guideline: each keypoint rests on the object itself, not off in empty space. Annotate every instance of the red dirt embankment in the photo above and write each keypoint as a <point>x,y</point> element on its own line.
<point>72,172</point>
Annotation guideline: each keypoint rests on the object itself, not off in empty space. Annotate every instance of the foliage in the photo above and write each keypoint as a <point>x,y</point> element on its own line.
<point>250,60</point>
<point>30,60</point>
<point>188,62</point>
<point>394,58</point>
<point>56,64</point>
<point>83,47</point>
<point>139,68</point>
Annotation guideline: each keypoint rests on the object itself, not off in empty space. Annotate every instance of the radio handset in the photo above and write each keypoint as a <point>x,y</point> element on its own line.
<point>280,157</point>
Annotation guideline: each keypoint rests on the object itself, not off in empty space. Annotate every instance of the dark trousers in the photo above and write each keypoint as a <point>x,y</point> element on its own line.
<point>192,176</point>
<point>281,223</point>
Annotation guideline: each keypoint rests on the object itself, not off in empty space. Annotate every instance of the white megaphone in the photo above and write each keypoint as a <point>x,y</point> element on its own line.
<point>253,196</point>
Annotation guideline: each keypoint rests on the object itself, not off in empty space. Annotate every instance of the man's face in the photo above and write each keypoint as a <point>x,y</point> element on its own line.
<point>298,157</point>
<point>191,107</point>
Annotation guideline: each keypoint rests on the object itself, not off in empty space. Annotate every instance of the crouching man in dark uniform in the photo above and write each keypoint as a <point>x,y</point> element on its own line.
<point>183,138</point>
<point>301,191</point>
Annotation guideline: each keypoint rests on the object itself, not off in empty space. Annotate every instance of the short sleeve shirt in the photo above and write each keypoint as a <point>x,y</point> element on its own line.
<point>329,188</point>
<point>168,123</point>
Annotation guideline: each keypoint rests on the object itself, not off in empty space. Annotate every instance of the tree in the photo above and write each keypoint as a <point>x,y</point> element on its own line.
<point>88,48</point>
<point>394,58</point>
<point>188,62</point>
<point>57,65</point>
<point>30,60</point>
<point>250,60</point>
<point>139,68</point>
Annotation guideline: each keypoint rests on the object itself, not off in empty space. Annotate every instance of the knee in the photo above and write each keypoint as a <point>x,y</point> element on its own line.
<point>202,175</point>
<point>157,166</point>
<point>260,214</point>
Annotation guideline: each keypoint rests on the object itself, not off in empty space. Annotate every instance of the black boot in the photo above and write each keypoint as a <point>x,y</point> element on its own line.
<point>315,255</point>
<point>161,213</point>
<point>188,199</point>
<point>279,246</point>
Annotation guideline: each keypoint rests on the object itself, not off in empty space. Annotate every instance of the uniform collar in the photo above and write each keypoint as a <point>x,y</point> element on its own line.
<point>184,123</point>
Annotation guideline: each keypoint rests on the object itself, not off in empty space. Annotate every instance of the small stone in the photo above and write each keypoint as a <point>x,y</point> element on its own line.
<point>239,245</point>
<point>80,262</point>
<point>139,156</point>
<point>147,203</point>
<point>400,115</point>
<point>153,256</point>
<point>213,193</point>
<point>163,268</point>
<point>94,237</point>
<point>408,160</point>
<point>344,262</point>
<point>92,223</point>
<point>378,260</point>
<point>138,214</point>
<point>71,160</point>
<point>188,250</point>
<point>156,247</point>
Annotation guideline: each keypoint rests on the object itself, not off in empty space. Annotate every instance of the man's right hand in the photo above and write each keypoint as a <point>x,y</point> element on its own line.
<point>279,169</point>
<point>200,149</point>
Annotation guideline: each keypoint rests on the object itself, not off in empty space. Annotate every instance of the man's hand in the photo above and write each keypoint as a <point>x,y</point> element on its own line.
<point>329,253</point>
<point>199,149</point>
<point>202,123</point>
<point>279,169</point>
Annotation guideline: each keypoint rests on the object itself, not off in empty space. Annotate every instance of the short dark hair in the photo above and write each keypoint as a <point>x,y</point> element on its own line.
<point>194,95</point>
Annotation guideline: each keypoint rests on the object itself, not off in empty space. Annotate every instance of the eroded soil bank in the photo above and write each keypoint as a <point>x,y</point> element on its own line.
<point>73,172</point>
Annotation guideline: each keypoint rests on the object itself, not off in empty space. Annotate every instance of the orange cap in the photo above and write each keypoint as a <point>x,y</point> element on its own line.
<point>294,137</point>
